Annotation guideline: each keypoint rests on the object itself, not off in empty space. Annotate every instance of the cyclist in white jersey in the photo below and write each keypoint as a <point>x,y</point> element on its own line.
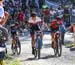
<point>33,22</point>
<point>3,14</point>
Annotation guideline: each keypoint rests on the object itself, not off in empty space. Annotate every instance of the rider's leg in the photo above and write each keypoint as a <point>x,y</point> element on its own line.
<point>32,43</point>
<point>52,36</point>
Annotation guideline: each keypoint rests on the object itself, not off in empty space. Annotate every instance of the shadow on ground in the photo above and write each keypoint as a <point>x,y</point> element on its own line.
<point>46,57</point>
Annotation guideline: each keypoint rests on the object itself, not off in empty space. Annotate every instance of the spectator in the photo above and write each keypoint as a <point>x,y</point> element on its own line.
<point>41,2</point>
<point>46,15</point>
<point>20,17</point>
<point>73,15</point>
<point>52,13</point>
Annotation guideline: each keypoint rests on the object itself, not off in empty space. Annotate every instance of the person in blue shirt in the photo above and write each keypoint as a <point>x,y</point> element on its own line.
<point>62,29</point>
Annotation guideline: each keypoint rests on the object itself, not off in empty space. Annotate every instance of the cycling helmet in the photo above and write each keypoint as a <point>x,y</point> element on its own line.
<point>33,14</point>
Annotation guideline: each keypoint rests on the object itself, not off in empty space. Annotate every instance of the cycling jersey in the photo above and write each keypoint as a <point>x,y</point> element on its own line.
<point>34,25</point>
<point>13,31</point>
<point>55,25</point>
<point>1,12</point>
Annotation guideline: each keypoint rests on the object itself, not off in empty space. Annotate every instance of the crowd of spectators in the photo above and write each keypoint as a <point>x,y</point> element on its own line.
<point>20,11</point>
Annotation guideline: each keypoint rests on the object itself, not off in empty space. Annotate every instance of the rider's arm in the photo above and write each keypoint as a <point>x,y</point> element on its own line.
<point>4,19</point>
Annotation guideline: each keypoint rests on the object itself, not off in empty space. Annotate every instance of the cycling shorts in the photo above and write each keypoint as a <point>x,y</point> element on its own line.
<point>54,29</point>
<point>34,28</point>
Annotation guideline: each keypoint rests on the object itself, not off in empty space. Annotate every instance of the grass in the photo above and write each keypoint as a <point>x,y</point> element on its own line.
<point>7,57</point>
<point>8,60</point>
<point>15,62</point>
<point>70,45</point>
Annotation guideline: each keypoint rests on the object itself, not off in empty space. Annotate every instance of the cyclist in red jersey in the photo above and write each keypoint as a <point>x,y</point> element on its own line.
<point>54,26</point>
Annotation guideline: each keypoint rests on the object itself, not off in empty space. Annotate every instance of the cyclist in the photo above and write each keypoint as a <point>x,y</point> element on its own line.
<point>3,14</point>
<point>54,25</point>
<point>14,35</point>
<point>33,22</point>
<point>13,32</point>
<point>3,32</point>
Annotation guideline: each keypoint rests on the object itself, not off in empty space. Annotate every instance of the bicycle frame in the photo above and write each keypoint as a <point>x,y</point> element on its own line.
<point>16,45</point>
<point>38,37</point>
<point>14,40</point>
<point>38,44</point>
<point>57,43</point>
<point>57,35</point>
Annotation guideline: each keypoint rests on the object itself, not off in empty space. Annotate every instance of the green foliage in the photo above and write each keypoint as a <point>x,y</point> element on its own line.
<point>7,57</point>
<point>15,62</point>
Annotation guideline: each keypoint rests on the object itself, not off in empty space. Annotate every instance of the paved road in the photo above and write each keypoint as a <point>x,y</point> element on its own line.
<point>47,53</point>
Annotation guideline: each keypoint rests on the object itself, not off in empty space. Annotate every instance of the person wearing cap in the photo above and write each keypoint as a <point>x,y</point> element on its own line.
<point>3,31</point>
<point>33,22</point>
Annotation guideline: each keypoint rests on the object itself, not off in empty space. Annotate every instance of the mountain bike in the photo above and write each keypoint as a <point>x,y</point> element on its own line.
<point>38,44</point>
<point>2,55</point>
<point>3,48</point>
<point>16,46</point>
<point>57,44</point>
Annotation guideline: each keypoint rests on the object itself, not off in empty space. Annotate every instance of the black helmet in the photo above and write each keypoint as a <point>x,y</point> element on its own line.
<point>33,14</point>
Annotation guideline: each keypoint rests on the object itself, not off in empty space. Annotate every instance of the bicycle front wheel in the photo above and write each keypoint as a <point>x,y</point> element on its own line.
<point>18,47</point>
<point>38,53</point>
<point>55,48</point>
<point>39,47</point>
<point>59,47</point>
